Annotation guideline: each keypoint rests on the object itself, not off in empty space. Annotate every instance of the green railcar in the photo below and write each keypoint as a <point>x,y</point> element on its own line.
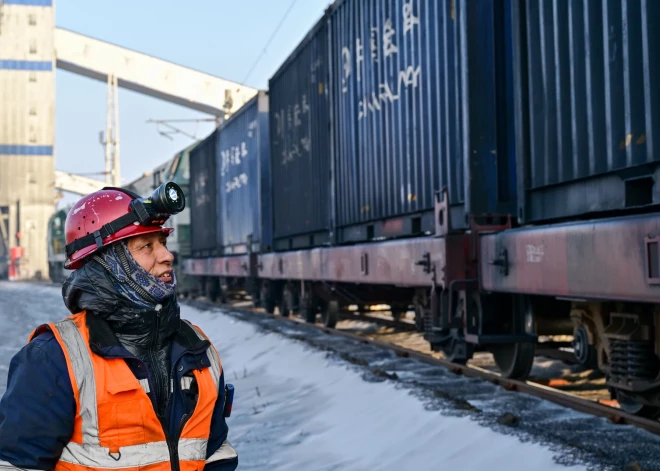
<point>56,246</point>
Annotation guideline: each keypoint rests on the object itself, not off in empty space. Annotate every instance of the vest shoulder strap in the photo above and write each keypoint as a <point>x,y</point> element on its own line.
<point>39,330</point>
<point>50,327</point>
<point>214,357</point>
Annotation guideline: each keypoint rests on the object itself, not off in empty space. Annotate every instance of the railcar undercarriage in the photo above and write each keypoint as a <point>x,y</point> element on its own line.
<point>490,288</point>
<point>608,270</point>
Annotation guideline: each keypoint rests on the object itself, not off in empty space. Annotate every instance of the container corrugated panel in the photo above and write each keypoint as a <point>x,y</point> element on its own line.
<point>414,107</point>
<point>204,198</point>
<point>589,106</point>
<point>244,178</point>
<point>300,156</point>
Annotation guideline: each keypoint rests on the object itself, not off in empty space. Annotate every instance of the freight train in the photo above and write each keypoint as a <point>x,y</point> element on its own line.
<point>489,164</point>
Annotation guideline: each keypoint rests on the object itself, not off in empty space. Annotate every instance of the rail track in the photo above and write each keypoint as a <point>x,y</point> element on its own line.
<point>548,389</point>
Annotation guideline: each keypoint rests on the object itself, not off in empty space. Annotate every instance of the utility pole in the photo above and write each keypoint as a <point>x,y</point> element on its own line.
<point>111,141</point>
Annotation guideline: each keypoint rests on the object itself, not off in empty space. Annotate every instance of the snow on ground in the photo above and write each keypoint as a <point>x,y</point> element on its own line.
<point>296,408</point>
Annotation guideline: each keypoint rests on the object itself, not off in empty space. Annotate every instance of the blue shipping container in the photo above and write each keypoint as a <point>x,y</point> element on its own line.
<point>204,198</point>
<point>417,104</point>
<point>300,153</point>
<point>588,104</point>
<point>244,178</point>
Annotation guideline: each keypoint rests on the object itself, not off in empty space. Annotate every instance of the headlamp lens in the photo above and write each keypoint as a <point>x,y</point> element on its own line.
<point>168,199</point>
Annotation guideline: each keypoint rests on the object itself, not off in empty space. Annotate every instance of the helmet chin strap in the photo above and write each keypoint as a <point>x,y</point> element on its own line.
<point>97,236</point>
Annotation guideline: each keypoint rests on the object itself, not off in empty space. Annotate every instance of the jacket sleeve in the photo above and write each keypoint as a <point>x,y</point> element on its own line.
<point>220,455</point>
<point>38,408</point>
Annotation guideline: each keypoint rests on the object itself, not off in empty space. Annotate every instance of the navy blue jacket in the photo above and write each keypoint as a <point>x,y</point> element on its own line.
<point>38,408</point>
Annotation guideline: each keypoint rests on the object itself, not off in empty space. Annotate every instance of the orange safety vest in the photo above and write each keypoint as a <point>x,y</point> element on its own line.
<point>116,426</point>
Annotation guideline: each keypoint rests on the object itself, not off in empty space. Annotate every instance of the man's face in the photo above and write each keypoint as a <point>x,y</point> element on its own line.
<point>150,252</point>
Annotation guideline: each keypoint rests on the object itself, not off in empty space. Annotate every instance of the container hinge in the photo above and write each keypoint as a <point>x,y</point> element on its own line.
<point>425,262</point>
<point>281,266</point>
<point>502,261</point>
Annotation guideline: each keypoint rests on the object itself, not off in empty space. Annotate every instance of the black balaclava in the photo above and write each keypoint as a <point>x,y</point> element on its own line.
<point>141,310</point>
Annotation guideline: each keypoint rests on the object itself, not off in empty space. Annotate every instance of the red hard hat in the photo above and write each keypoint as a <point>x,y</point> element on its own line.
<point>93,211</point>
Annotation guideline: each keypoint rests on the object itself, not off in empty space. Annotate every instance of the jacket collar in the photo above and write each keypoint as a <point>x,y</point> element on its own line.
<point>103,341</point>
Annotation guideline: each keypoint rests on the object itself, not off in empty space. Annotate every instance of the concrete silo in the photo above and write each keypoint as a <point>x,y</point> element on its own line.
<point>27,133</point>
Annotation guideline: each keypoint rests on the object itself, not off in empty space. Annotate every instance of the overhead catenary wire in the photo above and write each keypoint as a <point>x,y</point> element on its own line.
<point>270,40</point>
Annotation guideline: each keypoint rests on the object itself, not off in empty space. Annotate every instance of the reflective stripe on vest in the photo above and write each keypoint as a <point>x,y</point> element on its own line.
<point>225,452</point>
<point>216,366</point>
<point>5,465</point>
<point>89,453</point>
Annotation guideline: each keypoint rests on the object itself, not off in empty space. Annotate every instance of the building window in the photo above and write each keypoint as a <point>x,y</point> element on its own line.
<point>33,46</point>
<point>33,110</point>
<point>32,19</point>
<point>32,77</point>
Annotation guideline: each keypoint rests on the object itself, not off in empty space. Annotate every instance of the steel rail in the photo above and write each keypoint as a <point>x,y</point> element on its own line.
<point>614,415</point>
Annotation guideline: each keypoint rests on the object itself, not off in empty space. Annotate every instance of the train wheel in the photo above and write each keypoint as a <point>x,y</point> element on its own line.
<point>267,298</point>
<point>419,317</point>
<point>286,302</point>
<point>331,314</point>
<point>457,350</point>
<point>585,353</point>
<point>635,408</point>
<point>515,360</point>
<point>307,308</point>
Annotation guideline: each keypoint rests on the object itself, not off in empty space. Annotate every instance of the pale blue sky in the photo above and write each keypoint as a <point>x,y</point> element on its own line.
<point>220,37</point>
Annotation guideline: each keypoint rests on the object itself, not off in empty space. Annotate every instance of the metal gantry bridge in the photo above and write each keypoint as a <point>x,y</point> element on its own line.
<point>31,48</point>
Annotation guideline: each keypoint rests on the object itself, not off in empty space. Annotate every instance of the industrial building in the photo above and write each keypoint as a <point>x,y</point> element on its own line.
<point>31,49</point>
<point>27,131</point>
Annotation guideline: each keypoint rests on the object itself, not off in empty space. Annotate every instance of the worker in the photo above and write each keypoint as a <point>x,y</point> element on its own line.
<point>124,382</point>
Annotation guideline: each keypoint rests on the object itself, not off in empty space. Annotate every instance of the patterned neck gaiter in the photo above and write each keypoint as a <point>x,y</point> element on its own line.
<point>132,281</point>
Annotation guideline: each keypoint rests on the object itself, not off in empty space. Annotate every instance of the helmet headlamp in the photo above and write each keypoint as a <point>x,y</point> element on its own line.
<point>166,200</point>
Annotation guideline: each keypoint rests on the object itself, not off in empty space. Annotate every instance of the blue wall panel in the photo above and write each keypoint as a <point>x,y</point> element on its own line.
<point>40,66</point>
<point>36,3</point>
<point>25,150</point>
